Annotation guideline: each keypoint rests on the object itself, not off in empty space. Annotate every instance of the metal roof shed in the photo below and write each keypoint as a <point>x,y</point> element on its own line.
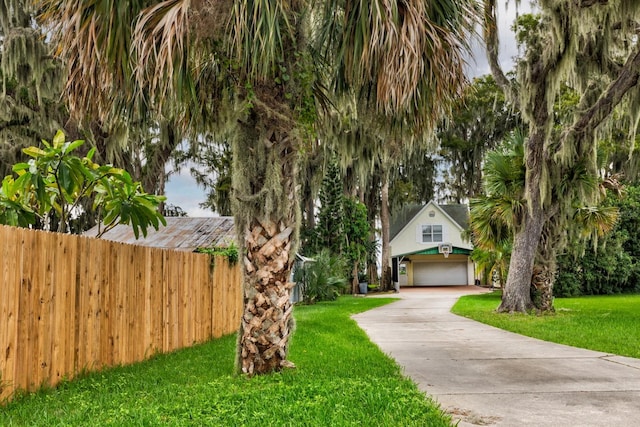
<point>180,233</point>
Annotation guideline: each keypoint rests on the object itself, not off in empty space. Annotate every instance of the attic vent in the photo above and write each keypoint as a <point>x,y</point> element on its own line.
<point>432,214</point>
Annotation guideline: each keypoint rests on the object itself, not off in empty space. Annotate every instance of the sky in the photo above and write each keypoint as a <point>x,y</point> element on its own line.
<point>181,189</point>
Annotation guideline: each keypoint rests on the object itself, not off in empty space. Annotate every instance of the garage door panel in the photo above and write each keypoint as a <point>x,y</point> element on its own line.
<point>440,273</point>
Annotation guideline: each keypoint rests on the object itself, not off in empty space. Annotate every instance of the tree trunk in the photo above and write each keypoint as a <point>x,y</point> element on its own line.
<point>542,284</point>
<point>310,212</point>
<point>152,175</point>
<point>355,288</point>
<point>384,221</point>
<point>266,216</point>
<point>371,202</point>
<point>266,321</point>
<point>516,295</point>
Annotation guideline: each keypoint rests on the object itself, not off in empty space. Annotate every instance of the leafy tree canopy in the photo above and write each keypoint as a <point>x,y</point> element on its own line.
<point>54,182</point>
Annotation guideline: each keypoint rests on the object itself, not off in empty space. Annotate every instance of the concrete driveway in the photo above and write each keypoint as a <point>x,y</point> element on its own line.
<point>482,375</point>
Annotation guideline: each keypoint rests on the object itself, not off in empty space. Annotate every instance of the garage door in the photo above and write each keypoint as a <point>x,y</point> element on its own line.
<point>439,273</point>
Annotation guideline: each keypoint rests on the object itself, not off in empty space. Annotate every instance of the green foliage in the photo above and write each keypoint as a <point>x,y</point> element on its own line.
<point>483,119</point>
<point>342,379</point>
<point>321,279</point>
<point>414,180</point>
<point>330,230</point>
<point>13,209</point>
<point>610,265</point>
<point>123,201</point>
<point>357,231</point>
<point>230,252</point>
<point>343,227</point>
<point>602,323</point>
<point>31,83</point>
<point>54,183</point>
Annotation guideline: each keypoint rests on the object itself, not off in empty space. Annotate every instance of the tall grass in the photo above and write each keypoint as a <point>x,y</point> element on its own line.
<point>610,324</point>
<point>341,379</point>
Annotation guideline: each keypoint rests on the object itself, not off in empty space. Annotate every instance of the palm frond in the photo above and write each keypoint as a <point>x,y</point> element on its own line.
<point>161,41</point>
<point>613,184</point>
<point>596,220</point>
<point>92,35</point>
<point>491,222</point>
<point>404,58</point>
<point>261,33</point>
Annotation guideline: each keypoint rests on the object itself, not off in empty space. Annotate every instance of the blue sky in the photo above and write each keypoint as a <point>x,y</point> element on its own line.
<point>182,190</point>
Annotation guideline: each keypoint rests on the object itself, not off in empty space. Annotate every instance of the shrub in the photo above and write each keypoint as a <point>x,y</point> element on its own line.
<point>612,267</point>
<point>231,252</point>
<point>321,279</point>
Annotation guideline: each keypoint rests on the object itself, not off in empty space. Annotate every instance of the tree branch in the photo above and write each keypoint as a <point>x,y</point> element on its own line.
<point>492,44</point>
<point>589,3</point>
<point>602,108</point>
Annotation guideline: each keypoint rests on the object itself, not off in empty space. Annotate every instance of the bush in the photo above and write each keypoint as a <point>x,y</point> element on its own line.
<point>321,279</point>
<point>612,267</point>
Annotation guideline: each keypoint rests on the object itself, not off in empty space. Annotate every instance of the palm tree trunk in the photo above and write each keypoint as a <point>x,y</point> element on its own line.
<point>266,215</point>
<point>266,322</point>
<point>542,284</point>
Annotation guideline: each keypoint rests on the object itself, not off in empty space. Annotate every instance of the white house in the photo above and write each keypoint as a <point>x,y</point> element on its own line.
<point>427,247</point>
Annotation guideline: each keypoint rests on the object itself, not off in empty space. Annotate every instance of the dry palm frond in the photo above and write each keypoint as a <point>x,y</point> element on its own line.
<point>612,183</point>
<point>404,58</point>
<point>161,44</point>
<point>92,35</point>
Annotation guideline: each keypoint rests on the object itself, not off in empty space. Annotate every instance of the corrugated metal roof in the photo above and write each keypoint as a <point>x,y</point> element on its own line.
<point>180,233</point>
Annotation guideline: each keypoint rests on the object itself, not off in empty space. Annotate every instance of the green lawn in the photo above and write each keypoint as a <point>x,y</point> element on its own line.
<point>341,379</point>
<point>609,324</point>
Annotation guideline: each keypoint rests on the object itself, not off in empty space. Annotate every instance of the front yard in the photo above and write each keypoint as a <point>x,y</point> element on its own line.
<point>610,324</point>
<point>341,379</point>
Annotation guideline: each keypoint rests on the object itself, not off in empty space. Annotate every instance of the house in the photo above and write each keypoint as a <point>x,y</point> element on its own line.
<point>180,234</point>
<point>427,247</point>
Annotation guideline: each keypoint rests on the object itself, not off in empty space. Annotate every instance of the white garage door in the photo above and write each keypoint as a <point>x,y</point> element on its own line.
<point>440,273</point>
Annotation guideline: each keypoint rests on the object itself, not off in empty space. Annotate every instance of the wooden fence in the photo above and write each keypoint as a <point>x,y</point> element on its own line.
<point>70,304</point>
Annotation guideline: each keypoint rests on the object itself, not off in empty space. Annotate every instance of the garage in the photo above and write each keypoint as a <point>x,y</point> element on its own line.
<point>441,273</point>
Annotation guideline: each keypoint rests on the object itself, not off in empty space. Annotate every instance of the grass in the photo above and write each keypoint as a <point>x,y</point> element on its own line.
<point>609,324</point>
<point>341,379</point>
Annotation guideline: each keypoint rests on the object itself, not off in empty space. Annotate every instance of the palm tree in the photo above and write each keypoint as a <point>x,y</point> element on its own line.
<point>493,214</point>
<point>262,70</point>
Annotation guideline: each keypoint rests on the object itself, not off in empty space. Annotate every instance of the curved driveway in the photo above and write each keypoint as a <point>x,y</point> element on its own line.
<point>485,376</point>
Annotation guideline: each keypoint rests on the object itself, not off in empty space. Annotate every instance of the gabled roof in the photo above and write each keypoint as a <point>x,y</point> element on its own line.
<point>180,233</point>
<point>458,213</point>
<point>402,218</point>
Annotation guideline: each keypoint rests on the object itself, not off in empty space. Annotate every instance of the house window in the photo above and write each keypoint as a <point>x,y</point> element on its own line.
<point>431,233</point>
